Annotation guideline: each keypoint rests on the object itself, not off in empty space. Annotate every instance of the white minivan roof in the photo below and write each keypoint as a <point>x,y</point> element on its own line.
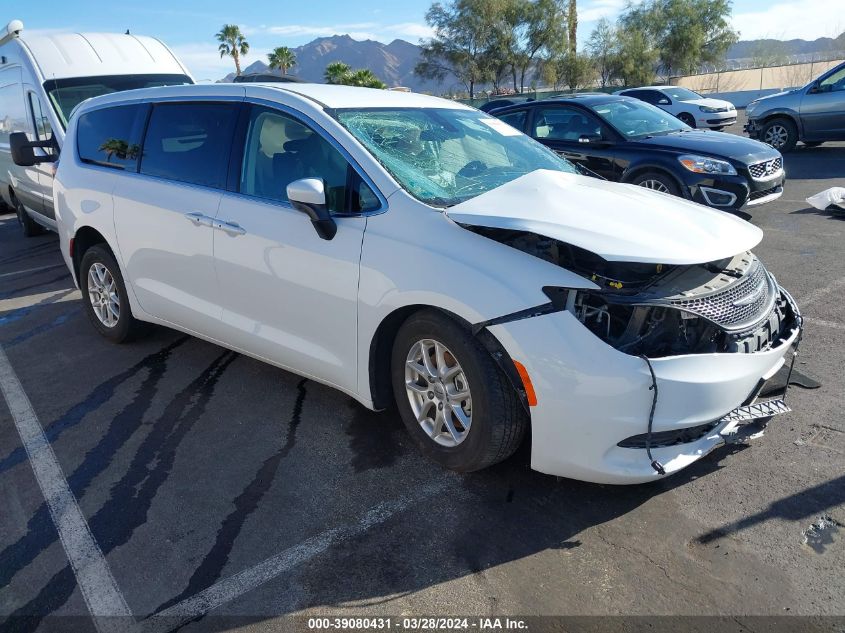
<point>64,55</point>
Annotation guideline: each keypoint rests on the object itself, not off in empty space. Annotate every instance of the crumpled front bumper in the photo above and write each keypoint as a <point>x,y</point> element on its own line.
<point>590,397</point>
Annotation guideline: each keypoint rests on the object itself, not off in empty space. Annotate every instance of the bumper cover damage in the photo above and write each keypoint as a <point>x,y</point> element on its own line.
<point>607,416</point>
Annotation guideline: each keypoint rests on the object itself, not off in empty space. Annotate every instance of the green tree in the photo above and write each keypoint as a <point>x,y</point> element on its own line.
<point>342,74</point>
<point>686,33</point>
<point>636,57</point>
<point>464,36</point>
<point>365,78</point>
<point>232,43</point>
<point>572,27</point>
<point>574,70</point>
<point>337,73</point>
<point>602,47</point>
<point>282,58</point>
<point>540,30</point>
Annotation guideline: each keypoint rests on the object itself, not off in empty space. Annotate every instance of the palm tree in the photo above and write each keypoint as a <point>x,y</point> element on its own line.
<point>282,58</point>
<point>366,79</point>
<point>337,73</point>
<point>232,43</point>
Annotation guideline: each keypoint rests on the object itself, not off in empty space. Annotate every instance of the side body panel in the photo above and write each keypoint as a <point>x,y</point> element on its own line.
<point>287,294</point>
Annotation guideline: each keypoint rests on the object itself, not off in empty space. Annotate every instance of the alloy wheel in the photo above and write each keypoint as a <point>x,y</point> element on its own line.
<point>102,292</point>
<point>438,392</point>
<point>655,185</point>
<point>776,136</point>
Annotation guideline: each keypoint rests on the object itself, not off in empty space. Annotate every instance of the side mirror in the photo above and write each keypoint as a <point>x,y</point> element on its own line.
<point>309,196</point>
<point>664,101</point>
<point>590,139</point>
<point>23,153</point>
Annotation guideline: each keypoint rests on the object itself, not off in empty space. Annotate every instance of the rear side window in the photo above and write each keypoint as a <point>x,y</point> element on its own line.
<point>515,119</point>
<point>190,142</point>
<point>110,137</point>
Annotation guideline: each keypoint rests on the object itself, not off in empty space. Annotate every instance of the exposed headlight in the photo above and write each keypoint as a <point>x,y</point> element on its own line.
<point>705,165</point>
<point>710,110</point>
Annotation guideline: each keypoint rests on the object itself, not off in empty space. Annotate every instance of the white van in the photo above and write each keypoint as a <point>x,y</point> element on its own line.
<point>43,78</point>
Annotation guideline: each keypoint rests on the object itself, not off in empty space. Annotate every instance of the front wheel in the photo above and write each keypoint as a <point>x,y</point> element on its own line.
<point>104,296</point>
<point>456,403</point>
<point>687,118</point>
<point>780,134</point>
<point>657,182</point>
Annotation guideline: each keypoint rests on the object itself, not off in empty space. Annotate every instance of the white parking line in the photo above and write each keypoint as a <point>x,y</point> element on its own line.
<point>65,294</point>
<point>30,270</point>
<point>108,608</point>
<point>230,588</point>
<point>92,572</point>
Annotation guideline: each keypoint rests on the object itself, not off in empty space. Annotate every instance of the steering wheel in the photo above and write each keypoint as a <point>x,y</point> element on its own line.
<point>472,169</point>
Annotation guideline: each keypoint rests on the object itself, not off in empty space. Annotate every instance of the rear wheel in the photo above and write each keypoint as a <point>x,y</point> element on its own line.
<point>104,296</point>
<point>687,118</point>
<point>30,227</point>
<point>456,403</point>
<point>780,134</point>
<point>657,181</point>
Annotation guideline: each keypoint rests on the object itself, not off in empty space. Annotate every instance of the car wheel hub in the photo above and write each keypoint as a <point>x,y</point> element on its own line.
<point>654,185</point>
<point>102,293</point>
<point>438,392</point>
<point>776,136</point>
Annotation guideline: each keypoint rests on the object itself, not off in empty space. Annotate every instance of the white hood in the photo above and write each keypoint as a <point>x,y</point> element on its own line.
<point>615,221</point>
<point>712,103</point>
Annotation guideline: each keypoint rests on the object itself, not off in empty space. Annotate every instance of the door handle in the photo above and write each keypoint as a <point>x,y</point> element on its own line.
<point>199,219</point>
<point>232,228</point>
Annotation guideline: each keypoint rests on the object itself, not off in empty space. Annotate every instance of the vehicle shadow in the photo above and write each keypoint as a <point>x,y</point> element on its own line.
<point>815,163</point>
<point>832,212</point>
<point>490,518</point>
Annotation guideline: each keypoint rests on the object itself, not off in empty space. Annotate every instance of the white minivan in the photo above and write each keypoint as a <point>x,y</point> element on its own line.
<point>43,78</point>
<point>403,248</point>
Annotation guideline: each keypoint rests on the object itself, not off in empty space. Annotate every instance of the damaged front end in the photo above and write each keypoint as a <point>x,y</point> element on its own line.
<point>733,305</point>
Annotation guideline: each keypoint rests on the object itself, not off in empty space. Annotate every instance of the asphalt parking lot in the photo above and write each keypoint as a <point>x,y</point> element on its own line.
<point>216,486</point>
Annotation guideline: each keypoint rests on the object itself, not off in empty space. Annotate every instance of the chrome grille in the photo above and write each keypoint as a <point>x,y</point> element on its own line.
<point>766,169</point>
<point>740,305</point>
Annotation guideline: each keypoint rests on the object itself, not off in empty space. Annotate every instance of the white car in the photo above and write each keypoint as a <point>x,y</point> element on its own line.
<point>690,107</point>
<point>403,247</point>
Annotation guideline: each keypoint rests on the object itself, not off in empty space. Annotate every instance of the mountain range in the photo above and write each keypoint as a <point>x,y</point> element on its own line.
<point>394,63</point>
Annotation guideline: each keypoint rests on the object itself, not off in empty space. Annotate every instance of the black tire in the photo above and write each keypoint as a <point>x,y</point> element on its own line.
<point>126,327</point>
<point>780,133</point>
<point>29,227</point>
<point>812,143</point>
<point>687,118</point>
<point>655,180</point>
<point>498,419</point>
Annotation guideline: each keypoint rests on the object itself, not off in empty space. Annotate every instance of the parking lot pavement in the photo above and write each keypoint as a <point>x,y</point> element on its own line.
<point>214,485</point>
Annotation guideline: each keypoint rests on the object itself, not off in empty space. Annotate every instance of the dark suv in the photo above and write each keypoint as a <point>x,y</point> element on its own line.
<point>627,140</point>
<point>812,114</point>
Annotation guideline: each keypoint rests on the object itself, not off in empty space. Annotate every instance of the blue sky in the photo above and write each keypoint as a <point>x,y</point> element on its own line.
<point>188,26</point>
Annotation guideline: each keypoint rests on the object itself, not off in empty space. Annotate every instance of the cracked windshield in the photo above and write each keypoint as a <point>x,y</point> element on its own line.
<point>444,157</point>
